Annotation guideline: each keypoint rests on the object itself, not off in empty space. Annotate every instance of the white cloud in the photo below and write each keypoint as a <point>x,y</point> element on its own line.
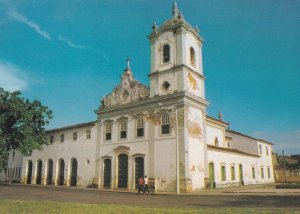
<point>23,19</point>
<point>12,78</point>
<point>70,42</point>
<point>288,141</point>
<point>74,45</point>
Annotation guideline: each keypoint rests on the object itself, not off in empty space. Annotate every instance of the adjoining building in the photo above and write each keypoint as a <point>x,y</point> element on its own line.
<point>162,131</point>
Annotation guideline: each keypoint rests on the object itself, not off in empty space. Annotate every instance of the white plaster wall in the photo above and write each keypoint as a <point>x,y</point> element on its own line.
<point>223,158</point>
<point>266,160</point>
<point>165,162</point>
<point>165,38</point>
<point>195,148</point>
<point>191,41</point>
<point>194,84</point>
<point>13,166</point>
<point>18,159</point>
<point>2,175</point>
<point>213,132</point>
<point>170,78</point>
<point>82,149</point>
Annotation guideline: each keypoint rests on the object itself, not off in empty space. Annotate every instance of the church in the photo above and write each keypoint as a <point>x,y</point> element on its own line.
<point>161,131</point>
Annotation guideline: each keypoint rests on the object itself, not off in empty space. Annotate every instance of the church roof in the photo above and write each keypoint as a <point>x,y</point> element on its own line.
<point>80,125</point>
<point>129,90</point>
<point>176,21</point>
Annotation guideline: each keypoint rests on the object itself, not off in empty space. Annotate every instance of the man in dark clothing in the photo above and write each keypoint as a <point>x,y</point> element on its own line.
<point>140,184</point>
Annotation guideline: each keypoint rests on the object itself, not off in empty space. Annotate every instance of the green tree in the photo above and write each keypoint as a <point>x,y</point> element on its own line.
<point>22,124</point>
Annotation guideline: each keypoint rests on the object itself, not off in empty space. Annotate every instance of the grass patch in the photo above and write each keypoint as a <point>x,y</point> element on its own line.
<point>16,206</point>
<point>288,186</point>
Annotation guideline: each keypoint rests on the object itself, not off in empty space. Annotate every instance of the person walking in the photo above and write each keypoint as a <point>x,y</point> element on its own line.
<point>140,185</point>
<point>146,188</point>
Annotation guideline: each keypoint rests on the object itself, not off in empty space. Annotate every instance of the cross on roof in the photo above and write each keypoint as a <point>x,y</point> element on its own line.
<point>128,62</point>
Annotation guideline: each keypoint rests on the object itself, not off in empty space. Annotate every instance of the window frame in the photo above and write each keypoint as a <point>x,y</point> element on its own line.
<point>140,127</point>
<point>165,124</point>
<point>166,59</point>
<point>51,139</point>
<point>123,129</point>
<point>216,142</point>
<point>253,172</point>
<point>192,56</point>
<point>88,134</point>
<point>62,138</point>
<point>75,136</point>
<point>106,133</point>
<point>262,172</point>
<point>232,171</point>
<point>260,149</point>
<point>223,173</point>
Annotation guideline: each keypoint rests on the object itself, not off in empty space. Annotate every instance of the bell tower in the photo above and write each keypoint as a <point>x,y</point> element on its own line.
<point>176,57</point>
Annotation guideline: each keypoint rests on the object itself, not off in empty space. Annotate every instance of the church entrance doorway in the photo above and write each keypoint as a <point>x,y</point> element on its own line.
<point>74,166</point>
<point>49,172</point>
<point>107,173</point>
<point>122,171</point>
<point>29,172</point>
<point>241,174</point>
<point>61,170</point>
<point>139,168</point>
<point>212,175</point>
<point>39,172</point>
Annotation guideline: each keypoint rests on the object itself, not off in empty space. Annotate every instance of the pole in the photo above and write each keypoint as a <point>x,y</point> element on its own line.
<point>284,166</point>
<point>177,156</point>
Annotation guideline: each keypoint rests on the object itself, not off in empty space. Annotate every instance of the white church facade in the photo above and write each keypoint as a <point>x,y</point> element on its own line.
<point>162,131</point>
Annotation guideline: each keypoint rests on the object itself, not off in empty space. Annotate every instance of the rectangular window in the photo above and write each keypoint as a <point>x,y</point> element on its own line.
<point>232,173</point>
<point>88,134</point>
<point>74,136</point>
<point>108,130</point>
<point>267,151</point>
<point>140,127</point>
<point>165,124</point>
<point>269,173</point>
<point>223,173</point>
<point>262,172</point>
<point>51,139</point>
<point>260,150</point>
<point>123,129</point>
<point>62,138</point>
<point>253,173</point>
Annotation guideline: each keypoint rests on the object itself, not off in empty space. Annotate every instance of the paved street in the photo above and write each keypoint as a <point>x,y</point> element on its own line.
<point>23,192</point>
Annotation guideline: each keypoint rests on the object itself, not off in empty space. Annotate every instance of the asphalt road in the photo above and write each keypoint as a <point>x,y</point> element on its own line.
<point>159,200</point>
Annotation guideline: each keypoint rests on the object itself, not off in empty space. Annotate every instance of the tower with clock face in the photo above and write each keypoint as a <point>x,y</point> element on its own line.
<point>176,57</point>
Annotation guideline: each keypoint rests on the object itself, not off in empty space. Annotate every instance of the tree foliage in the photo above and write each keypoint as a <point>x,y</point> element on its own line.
<point>22,123</point>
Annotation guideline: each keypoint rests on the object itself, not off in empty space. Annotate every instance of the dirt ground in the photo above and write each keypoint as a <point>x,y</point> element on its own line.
<point>34,192</point>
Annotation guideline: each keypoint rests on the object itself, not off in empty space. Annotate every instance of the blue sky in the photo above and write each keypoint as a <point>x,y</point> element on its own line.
<point>69,54</point>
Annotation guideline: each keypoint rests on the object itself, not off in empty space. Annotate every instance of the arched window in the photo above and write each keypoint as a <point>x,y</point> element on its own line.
<point>166,53</point>
<point>216,142</point>
<point>192,55</point>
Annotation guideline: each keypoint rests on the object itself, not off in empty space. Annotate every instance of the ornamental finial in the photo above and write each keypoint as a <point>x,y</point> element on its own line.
<point>175,10</point>
<point>154,27</point>
<point>128,62</point>
<point>220,115</point>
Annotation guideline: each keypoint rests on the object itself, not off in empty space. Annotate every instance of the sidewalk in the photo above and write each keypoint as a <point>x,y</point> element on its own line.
<point>263,189</point>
